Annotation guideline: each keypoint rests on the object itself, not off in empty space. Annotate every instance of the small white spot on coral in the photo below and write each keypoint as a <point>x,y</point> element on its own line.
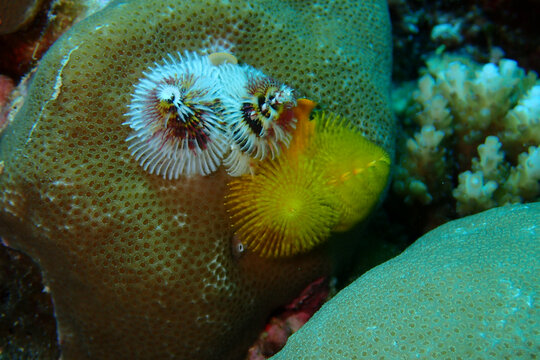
<point>180,220</point>
<point>461,231</point>
<point>62,183</point>
<point>101,26</point>
<point>532,229</point>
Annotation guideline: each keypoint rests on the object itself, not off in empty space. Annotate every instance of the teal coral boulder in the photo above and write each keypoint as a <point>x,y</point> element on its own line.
<point>466,290</point>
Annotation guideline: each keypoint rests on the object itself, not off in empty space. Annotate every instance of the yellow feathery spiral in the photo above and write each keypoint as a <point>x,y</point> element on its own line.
<point>329,179</point>
<point>283,209</point>
<point>355,168</point>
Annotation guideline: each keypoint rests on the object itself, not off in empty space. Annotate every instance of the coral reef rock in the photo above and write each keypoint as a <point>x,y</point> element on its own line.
<point>141,267</point>
<point>466,290</point>
<point>16,14</point>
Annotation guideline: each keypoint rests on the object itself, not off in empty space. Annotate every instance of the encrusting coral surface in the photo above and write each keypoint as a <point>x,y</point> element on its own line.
<point>466,290</point>
<point>140,266</point>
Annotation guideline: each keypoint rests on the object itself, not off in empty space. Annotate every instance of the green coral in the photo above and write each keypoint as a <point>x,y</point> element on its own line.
<point>477,138</point>
<point>439,299</point>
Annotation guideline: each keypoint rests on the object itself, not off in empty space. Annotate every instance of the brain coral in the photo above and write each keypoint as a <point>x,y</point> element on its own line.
<point>143,267</point>
<point>466,290</point>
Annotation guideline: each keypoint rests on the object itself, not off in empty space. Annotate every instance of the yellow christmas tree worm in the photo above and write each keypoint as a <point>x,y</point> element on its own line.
<point>355,169</point>
<point>284,209</point>
<point>328,180</point>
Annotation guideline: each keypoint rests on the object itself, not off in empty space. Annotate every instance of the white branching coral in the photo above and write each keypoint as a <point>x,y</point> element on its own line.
<point>477,117</point>
<point>425,142</point>
<point>490,158</point>
<point>522,123</point>
<point>523,183</point>
<point>477,96</point>
<point>424,154</point>
<point>435,110</point>
<point>447,33</point>
<point>473,192</point>
<point>476,191</point>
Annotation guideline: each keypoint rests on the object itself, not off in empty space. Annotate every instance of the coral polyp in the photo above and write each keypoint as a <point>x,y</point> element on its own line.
<point>176,115</point>
<point>258,111</point>
<point>329,179</point>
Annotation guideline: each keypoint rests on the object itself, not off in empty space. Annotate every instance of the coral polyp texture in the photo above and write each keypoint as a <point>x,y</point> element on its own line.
<point>488,118</point>
<point>258,112</point>
<point>439,299</point>
<point>143,267</point>
<point>176,115</point>
<point>329,179</point>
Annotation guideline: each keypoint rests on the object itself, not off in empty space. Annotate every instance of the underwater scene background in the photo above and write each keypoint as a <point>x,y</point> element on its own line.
<point>269,179</point>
